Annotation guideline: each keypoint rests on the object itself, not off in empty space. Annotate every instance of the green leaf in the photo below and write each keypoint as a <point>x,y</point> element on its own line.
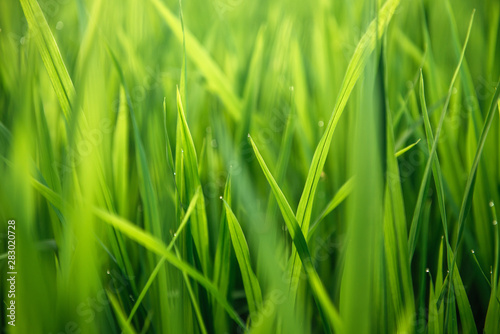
<point>217,80</point>
<point>320,294</point>
<point>424,185</point>
<point>250,282</point>
<point>120,314</point>
<point>356,65</point>
<point>155,245</point>
<point>406,149</point>
<point>339,197</point>
<point>199,226</point>
<point>47,46</point>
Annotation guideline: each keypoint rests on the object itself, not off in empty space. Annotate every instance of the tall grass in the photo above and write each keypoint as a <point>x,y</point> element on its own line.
<point>233,166</point>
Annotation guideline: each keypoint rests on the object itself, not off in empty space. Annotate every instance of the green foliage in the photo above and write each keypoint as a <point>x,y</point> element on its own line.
<point>123,124</point>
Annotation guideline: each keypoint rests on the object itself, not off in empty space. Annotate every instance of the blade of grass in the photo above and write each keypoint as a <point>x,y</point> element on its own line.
<point>356,65</point>
<point>424,185</point>
<point>162,260</point>
<point>196,307</point>
<point>156,246</point>
<point>218,82</point>
<point>51,56</point>
<point>406,149</point>
<point>199,226</point>
<point>250,283</point>
<point>339,197</point>
<point>324,303</point>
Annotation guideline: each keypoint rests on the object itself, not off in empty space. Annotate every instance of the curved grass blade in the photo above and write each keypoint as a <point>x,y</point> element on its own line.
<point>325,305</point>
<point>120,314</point>
<point>250,283</point>
<point>406,149</point>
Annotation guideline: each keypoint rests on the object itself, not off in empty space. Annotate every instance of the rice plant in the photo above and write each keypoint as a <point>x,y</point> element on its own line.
<point>232,166</point>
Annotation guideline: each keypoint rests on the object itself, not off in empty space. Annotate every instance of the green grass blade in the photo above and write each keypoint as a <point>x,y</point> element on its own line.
<point>199,225</point>
<point>217,80</point>
<point>358,61</point>
<point>423,186</point>
<point>51,56</point>
<point>406,149</point>
<point>120,314</point>
<point>339,197</point>
<point>250,283</point>
<point>319,291</point>
<point>196,307</point>
<point>469,187</point>
<point>154,245</point>
<point>153,275</point>
<point>356,65</point>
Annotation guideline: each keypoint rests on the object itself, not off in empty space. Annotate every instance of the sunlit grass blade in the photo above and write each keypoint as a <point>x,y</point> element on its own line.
<point>223,262</point>
<point>120,314</point>
<point>250,282</point>
<point>51,56</point>
<point>218,82</point>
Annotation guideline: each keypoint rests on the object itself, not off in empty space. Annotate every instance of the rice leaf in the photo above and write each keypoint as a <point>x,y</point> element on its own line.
<point>51,56</point>
<point>356,65</point>
<point>217,80</point>
<point>154,245</point>
<point>199,225</point>
<point>324,303</point>
<point>250,283</point>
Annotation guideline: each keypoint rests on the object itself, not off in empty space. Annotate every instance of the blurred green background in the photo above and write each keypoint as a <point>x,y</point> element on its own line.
<point>226,166</point>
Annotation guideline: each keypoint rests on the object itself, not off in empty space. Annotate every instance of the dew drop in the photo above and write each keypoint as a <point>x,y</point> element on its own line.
<point>291,88</point>
<point>174,173</point>
<point>214,143</point>
<point>175,234</point>
<point>59,25</point>
<point>495,222</point>
<point>492,204</point>
<point>220,197</point>
<point>427,270</point>
<point>472,251</point>
<point>320,124</point>
<point>107,272</point>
